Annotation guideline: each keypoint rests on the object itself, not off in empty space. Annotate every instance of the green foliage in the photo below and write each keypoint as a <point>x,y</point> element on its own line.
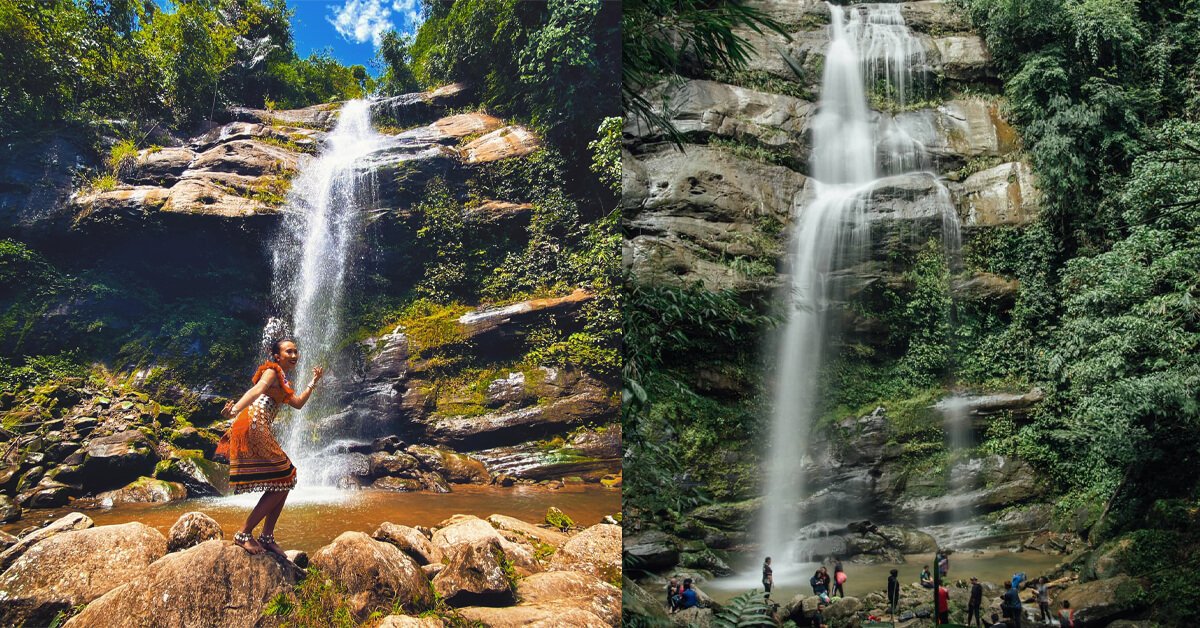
<point>316,601</point>
<point>562,55</point>
<point>37,370</point>
<point>443,231</point>
<point>747,609</point>
<point>757,152</point>
<point>169,62</point>
<point>395,56</point>
<point>122,157</point>
<point>667,328</point>
<point>606,152</point>
<point>927,316</point>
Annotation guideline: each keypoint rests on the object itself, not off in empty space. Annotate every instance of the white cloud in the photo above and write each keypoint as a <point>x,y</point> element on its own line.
<point>411,10</point>
<point>360,21</point>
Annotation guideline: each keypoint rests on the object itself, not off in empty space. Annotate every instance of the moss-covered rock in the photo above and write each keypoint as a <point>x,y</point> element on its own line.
<point>559,519</point>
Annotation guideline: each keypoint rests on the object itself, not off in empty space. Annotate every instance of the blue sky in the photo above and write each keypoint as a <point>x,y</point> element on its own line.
<point>351,28</point>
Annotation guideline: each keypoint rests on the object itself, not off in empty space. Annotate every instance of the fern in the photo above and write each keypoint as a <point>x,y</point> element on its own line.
<point>747,609</point>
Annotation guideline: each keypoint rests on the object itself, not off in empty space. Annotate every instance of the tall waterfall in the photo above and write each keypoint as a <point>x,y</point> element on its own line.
<point>853,152</point>
<point>317,245</point>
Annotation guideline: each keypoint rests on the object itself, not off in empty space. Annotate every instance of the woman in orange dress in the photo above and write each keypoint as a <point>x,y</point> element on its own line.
<point>256,461</point>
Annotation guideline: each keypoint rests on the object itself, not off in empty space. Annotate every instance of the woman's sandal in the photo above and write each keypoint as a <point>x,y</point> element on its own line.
<point>247,542</point>
<point>267,541</point>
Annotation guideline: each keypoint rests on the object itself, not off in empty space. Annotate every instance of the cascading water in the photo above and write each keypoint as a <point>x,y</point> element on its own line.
<point>319,240</point>
<point>959,439</point>
<point>853,154</point>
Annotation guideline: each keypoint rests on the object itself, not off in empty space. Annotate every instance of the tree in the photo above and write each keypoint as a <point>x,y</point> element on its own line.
<point>396,60</point>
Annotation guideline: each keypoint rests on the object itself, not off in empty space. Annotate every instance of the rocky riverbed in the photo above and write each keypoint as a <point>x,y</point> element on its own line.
<point>498,571</point>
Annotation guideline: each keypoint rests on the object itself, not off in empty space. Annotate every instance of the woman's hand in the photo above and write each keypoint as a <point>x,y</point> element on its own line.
<point>318,373</point>
<point>227,411</point>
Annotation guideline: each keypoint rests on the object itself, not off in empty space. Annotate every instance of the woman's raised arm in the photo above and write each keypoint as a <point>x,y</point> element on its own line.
<point>264,382</point>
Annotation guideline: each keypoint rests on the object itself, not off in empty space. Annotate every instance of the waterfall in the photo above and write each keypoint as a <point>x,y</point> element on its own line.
<point>853,152</point>
<point>321,236</point>
<point>959,439</point>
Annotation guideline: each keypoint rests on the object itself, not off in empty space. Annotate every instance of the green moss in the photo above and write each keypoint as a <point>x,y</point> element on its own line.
<point>763,81</point>
<point>430,326</point>
<point>510,571</point>
<point>288,145</point>
<point>757,152</point>
<point>558,519</point>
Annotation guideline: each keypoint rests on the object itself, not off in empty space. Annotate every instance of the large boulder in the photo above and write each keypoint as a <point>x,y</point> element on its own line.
<point>1099,602</point>
<point>144,490</point>
<point>67,523</point>
<point>532,616</point>
<point>708,108</point>
<point>475,576</point>
<point>192,529</point>
<point>9,510</point>
<point>510,141</point>
<point>574,589</point>
<point>652,550</point>
<point>470,530</point>
<point>74,568</point>
<point>407,621</point>
<point>695,617</point>
<point>374,574</point>
<point>1004,195</point>
<point>201,477</point>
<point>528,531</point>
<point>410,541</point>
<point>112,461</point>
<point>212,584</point>
<point>455,467</point>
<point>596,551</point>
<point>637,601</point>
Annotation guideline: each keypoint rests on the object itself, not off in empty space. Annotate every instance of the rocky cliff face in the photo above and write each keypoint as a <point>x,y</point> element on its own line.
<point>183,233</point>
<point>699,213</point>
<point>718,211</point>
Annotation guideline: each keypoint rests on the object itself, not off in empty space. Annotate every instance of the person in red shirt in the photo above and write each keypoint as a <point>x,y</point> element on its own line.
<point>943,605</point>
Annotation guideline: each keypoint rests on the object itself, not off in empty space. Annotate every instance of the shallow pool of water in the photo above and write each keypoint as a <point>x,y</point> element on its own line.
<point>989,566</point>
<point>312,518</point>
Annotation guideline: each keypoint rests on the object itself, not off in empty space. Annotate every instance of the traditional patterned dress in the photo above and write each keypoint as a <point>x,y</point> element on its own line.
<point>256,461</point>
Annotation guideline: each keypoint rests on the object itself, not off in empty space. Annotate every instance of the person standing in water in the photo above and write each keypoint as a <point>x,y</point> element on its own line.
<point>1043,598</point>
<point>839,579</point>
<point>256,461</point>
<point>768,578</point>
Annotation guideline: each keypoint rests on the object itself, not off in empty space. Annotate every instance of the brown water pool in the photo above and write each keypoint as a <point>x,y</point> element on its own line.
<point>314,517</point>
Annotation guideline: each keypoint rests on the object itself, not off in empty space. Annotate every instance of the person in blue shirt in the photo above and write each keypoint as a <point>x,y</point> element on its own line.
<point>690,599</point>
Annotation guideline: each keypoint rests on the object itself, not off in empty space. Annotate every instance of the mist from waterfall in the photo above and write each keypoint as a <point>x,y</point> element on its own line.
<point>853,153</point>
<point>320,238</point>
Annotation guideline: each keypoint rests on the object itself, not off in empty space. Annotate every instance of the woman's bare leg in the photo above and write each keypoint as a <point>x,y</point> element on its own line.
<point>273,516</point>
<point>261,509</point>
<point>270,520</point>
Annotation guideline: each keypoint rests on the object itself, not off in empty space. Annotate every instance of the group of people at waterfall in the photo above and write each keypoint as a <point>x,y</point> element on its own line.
<point>828,588</point>
<point>256,461</point>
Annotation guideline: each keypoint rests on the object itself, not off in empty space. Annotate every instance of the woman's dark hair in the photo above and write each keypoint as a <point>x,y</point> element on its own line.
<point>278,345</point>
